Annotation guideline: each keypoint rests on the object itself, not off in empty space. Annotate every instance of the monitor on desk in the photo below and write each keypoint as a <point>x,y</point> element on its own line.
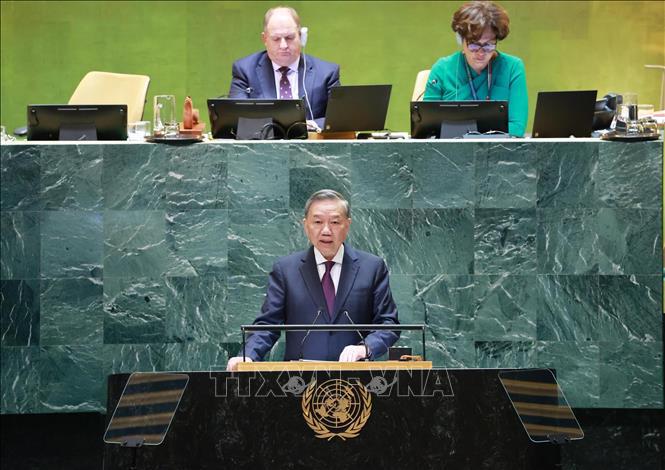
<point>284,119</point>
<point>450,119</point>
<point>357,108</point>
<point>77,122</point>
<point>564,114</point>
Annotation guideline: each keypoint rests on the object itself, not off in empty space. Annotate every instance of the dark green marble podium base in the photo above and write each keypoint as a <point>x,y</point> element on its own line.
<point>125,257</point>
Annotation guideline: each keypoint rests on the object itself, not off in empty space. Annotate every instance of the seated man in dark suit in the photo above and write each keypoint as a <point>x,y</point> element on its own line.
<point>278,71</point>
<point>329,283</point>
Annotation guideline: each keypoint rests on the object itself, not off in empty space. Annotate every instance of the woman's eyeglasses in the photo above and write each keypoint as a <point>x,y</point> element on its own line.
<point>475,47</point>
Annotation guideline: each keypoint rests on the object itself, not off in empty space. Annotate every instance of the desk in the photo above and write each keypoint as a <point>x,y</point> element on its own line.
<point>119,257</point>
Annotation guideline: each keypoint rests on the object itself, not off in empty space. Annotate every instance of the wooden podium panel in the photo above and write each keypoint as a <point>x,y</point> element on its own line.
<point>303,366</point>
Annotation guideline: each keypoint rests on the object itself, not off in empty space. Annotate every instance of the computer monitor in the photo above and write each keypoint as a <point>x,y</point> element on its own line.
<point>357,108</point>
<point>288,115</point>
<point>77,122</point>
<point>564,114</point>
<point>455,118</point>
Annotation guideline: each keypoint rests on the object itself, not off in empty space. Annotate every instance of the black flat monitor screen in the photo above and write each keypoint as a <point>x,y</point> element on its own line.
<point>427,117</point>
<point>564,113</point>
<point>357,108</point>
<point>288,115</point>
<point>77,122</point>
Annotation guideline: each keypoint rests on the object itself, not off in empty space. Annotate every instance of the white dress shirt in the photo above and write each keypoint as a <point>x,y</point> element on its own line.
<point>335,271</point>
<point>292,75</point>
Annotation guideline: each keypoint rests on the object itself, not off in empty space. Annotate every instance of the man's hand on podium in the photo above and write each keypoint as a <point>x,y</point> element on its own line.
<point>232,365</point>
<point>353,353</point>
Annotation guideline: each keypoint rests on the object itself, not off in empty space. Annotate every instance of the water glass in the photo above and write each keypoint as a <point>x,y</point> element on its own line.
<point>628,109</point>
<point>138,131</point>
<point>166,124</point>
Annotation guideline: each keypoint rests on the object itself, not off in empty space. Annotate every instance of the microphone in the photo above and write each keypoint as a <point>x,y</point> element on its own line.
<point>303,42</point>
<point>362,339</point>
<point>302,343</point>
<point>431,82</point>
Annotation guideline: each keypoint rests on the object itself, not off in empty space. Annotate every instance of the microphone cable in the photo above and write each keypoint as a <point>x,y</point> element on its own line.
<point>362,338</point>
<point>302,343</point>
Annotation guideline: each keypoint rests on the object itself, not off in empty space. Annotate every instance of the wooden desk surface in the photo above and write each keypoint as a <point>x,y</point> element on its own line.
<point>322,365</point>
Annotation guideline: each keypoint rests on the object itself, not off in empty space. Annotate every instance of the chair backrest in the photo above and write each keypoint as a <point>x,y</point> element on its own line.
<point>113,88</point>
<point>419,88</point>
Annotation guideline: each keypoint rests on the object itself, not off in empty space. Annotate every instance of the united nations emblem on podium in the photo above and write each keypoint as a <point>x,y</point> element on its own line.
<point>336,408</point>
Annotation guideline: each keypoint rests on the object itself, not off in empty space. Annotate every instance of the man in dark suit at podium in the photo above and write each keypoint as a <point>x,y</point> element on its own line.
<point>329,283</point>
<point>281,71</point>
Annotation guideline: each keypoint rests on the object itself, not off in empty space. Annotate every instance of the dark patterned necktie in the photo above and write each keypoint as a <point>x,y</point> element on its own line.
<point>284,85</point>
<point>329,288</point>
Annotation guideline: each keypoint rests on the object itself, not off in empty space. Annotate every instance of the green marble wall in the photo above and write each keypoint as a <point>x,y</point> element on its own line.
<point>120,257</point>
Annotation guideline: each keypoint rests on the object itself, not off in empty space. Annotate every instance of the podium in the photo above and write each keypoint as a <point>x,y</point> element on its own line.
<point>309,415</point>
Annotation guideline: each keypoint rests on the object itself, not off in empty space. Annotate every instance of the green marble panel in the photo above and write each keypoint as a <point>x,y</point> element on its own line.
<point>20,310</point>
<point>196,177</point>
<point>134,311</point>
<point>497,354</point>
<point>199,356</point>
<point>386,233</point>
<point>452,354</point>
<point>72,311</point>
<point>629,308</point>
<point>629,241</point>
<point>20,245</point>
<point>567,241</point>
<point>622,386</point>
<point>71,178</point>
<point>381,175</point>
<point>565,174</point>
<point>20,380</point>
<point>568,308</point>
<point>297,239</point>
<point>578,369</point>
<point>318,166</point>
<point>134,177</point>
<point>71,379</point>
<point>196,308</point>
<point>256,239</point>
<point>505,241</point>
<point>128,358</point>
<point>197,241</point>
<point>505,308</point>
<point>258,176</point>
<point>446,304</point>
<point>505,175</point>
<point>20,178</point>
<point>403,289</point>
<point>71,244</point>
<point>442,241</point>
<point>620,182</point>
<point>444,174</point>
<point>245,298</point>
<point>135,245</point>
<point>516,254</point>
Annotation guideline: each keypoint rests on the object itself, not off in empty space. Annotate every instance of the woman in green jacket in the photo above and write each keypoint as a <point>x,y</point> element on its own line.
<point>479,71</point>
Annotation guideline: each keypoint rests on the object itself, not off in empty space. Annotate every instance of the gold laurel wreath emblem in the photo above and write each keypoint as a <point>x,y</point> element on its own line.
<point>321,430</point>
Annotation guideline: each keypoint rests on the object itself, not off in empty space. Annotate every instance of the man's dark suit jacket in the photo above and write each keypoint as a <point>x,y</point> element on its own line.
<point>254,77</point>
<point>295,296</point>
